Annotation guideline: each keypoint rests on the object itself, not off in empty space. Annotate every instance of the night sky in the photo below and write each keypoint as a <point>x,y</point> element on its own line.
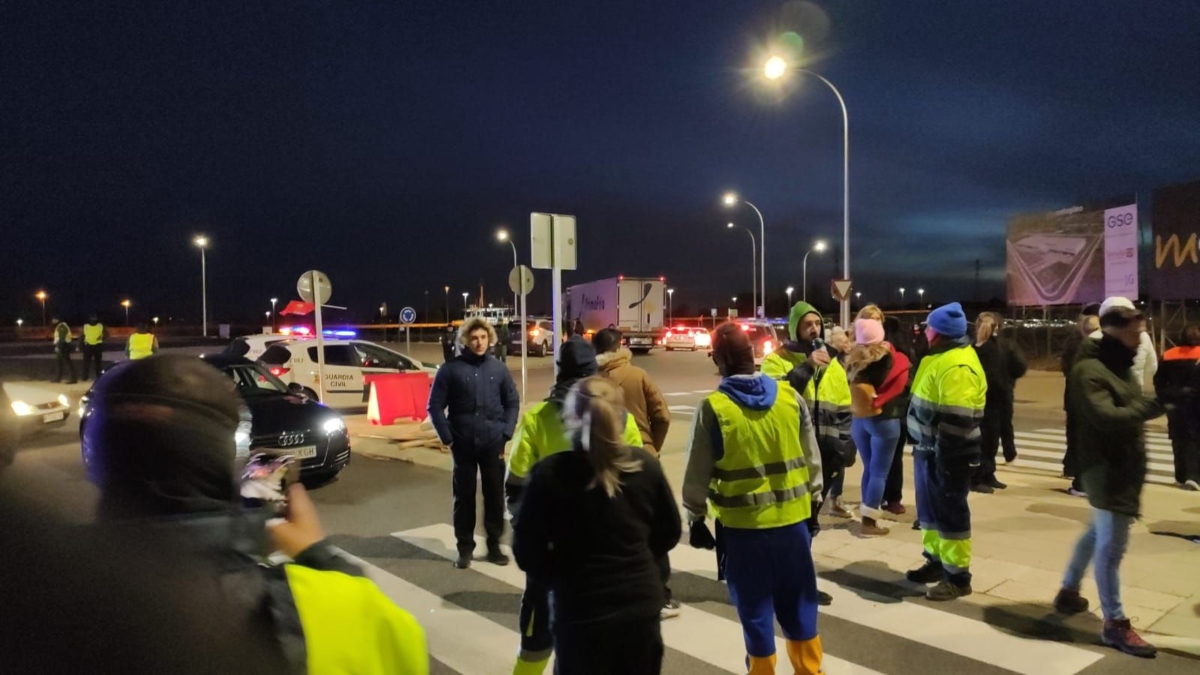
<point>385,142</point>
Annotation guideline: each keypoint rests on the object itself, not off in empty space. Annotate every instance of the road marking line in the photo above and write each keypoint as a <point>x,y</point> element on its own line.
<point>699,634</point>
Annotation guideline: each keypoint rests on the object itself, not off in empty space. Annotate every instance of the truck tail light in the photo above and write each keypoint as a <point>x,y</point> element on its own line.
<point>280,372</point>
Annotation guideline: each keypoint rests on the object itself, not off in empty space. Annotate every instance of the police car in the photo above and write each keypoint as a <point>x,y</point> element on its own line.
<point>349,365</point>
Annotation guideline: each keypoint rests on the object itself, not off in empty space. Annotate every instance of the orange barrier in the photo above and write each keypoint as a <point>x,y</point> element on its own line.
<point>397,396</point>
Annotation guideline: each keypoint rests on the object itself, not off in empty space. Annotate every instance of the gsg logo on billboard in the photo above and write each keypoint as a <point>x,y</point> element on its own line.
<point>1123,219</point>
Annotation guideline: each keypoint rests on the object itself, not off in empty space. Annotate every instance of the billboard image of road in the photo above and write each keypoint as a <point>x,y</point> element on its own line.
<point>1058,258</point>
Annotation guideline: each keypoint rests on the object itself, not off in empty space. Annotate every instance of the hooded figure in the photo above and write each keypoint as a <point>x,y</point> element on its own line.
<point>162,437</point>
<point>539,434</point>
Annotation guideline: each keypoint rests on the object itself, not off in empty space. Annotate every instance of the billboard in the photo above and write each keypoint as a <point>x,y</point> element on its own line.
<point>1175,273</point>
<point>1075,255</point>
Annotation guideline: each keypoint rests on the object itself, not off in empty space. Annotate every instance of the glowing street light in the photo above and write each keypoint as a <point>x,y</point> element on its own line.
<point>502,235</point>
<point>447,289</point>
<point>670,305</point>
<point>155,320</point>
<point>731,199</point>
<point>819,247</point>
<point>774,68</point>
<point>465,294</point>
<point>753,264</point>
<point>789,292</point>
<point>273,301</point>
<point>41,296</point>
<point>20,322</point>
<point>126,304</point>
<point>920,297</point>
<point>901,297</point>
<point>201,242</point>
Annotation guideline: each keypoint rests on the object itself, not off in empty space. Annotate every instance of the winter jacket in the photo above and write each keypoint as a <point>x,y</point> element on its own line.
<point>482,401</point>
<point>1177,383</point>
<point>643,399</point>
<point>1112,413</point>
<point>1003,363</point>
<point>878,375</point>
<point>1145,362</point>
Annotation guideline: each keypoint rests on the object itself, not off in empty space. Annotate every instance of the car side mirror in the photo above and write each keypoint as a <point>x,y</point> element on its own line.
<point>296,388</point>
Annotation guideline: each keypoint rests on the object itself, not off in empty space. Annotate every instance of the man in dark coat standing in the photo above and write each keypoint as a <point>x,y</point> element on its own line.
<point>483,405</point>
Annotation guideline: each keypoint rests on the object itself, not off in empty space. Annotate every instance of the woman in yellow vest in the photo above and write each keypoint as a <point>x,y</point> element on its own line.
<point>141,345</point>
<point>753,461</point>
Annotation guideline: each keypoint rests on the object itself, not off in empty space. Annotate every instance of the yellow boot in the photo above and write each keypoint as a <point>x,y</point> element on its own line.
<point>524,667</point>
<point>761,665</point>
<point>806,655</point>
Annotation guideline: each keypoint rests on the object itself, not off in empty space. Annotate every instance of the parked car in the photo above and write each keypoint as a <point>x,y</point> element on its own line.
<point>689,338</point>
<point>37,407</point>
<point>538,337</point>
<point>283,421</point>
<point>766,338</point>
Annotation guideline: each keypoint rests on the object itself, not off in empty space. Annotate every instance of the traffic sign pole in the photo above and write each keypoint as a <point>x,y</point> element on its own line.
<point>407,316</point>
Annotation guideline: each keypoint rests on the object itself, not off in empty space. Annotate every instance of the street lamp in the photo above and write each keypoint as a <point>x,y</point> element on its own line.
<point>734,304</point>
<point>731,199</point>
<point>920,297</point>
<point>858,297</point>
<point>789,291</point>
<point>201,242</point>
<point>502,235</point>
<point>155,320</point>
<point>273,301</point>
<point>20,322</point>
<point>901,297</point>
<point>670,305</point>
<point>753,264</point>
<point>465,294</point>
<point>819,246</point>
<point>126,303</point>
<point>775,68</point>
<point>41,295</point>
<point>447,304</point>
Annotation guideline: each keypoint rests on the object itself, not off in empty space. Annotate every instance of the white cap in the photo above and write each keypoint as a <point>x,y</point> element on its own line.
<point>1115,302</point>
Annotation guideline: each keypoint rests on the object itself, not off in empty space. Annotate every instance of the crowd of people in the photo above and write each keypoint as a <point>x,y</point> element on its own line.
<point>90,341</point>
<point>593,516</point>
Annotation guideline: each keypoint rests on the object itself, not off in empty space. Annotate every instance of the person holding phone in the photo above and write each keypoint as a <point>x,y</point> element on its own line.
<point>163,437</point>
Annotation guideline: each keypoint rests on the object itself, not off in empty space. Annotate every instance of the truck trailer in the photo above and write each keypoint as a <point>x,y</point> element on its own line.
<point>633,305</point>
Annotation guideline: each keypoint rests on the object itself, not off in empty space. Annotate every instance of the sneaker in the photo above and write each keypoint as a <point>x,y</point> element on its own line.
<point>916,525</point>
<point>836,508</point>
<point>946,590</point>
<point>870,528</point>
<point>670,610</point>
<point>928,573</point>
<point>982,488</point>
<point>463,561</point>
<point>1191,485</point>
<point>1070,602</point>
<point>996,484</point>
<point>1119,634</point>
<point>1076,493</point>
<point>824,599</point>
<point>497,558</point>
<point>895,508</point>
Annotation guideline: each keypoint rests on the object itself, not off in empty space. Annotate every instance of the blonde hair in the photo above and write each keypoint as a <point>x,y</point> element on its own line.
<point>471,325</point>
<point>870,312</point>
<point>985,327</point>
<point>594,414</point>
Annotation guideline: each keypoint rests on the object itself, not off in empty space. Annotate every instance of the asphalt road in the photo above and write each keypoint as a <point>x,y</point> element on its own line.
<point>395,517</point>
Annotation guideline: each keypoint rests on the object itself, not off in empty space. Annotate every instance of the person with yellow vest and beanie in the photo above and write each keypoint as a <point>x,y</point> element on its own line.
<point>948,396</point>
<point>753,462</point>
<point>93,346</point>
<point>142,344</point>
<point>540,433</point>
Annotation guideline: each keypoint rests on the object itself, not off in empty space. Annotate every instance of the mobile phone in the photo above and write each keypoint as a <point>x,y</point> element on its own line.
<point>265,482</point>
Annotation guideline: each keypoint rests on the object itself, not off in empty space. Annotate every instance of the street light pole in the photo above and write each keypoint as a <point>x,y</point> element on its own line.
<point>730,200</point>
<point>41,295</point>
<point>447,305</point>
<point>753,264</point>
<point>202,242</point>
<point>920,298</point>
<point>789,294</point>
<point>670,305</point>
<point>273,301</point>
<point>126,304</point>
<point>901,298</point>
<point>819,246</point>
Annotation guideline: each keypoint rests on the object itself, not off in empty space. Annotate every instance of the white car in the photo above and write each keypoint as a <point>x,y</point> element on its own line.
<point>37,408</point>
<point>349,365</point>
<point>691,339</point>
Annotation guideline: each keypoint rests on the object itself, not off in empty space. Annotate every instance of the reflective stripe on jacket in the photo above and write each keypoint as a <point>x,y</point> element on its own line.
<point>761,479</point>
<point>948,398</point>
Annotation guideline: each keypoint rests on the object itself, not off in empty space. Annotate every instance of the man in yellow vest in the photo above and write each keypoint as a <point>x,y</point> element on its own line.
<point>948,396</point>
<point>539,434</point>
<point>142,344</point>
<point>93,346</point>
<point>319,613</point>
<point>753,461</point>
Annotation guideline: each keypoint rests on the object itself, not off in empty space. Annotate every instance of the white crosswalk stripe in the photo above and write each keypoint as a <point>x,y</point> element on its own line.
<point>713,639</point>
<point>1043,449</point>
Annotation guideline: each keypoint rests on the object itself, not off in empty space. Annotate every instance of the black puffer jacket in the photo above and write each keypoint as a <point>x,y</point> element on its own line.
<point>482,401</point>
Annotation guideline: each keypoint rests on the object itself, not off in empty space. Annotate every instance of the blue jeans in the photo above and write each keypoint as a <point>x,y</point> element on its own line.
<point>876,439</point>
<point>1105,542</point>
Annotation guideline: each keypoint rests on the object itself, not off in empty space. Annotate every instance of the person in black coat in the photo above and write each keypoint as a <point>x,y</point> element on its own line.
<point>1003,364</point>
<point>483,406</point>
<point>1177,384</point>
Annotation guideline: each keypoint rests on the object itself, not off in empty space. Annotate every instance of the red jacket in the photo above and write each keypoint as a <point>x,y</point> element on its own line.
<point>896,381</point>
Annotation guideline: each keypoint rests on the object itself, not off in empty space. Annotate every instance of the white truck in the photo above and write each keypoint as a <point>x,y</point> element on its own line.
<point>634,305</point>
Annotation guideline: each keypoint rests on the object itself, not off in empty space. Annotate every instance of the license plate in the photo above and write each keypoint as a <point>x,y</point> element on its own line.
<point>54,417</point>
<point>299,452</point>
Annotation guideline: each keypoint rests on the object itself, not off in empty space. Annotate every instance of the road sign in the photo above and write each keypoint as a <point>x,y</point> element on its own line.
<point>408,315</point>
<point>552,241</point>
<point>515,278</point>
<point>304,286</point>
<point>732,313</point>
<point>841,289</point>
<point>714,311</point>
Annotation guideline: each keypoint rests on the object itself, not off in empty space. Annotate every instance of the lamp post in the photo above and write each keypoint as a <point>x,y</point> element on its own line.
<point>670,305</point>
<point>273,301</point>
<point>155,320</point>
<point>201,242</point>
<point>126,303</point>
<point>789,292</point>
<point>734,299</point>
<point>465,294</point>
<point>774,69</point>
<point>41,296</point>
<point>858,297</point>
<point>731,199</point>
<point>819,246</point>
<point>901,297</point>
<point>753,264</point>
<point>20,322</point>
<point>447,304</point>
<point>920,297</point>
<point>502,235</point>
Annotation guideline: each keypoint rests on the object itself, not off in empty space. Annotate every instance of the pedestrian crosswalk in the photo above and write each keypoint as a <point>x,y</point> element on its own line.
<point>470,619</point>
<point>1043,449</point>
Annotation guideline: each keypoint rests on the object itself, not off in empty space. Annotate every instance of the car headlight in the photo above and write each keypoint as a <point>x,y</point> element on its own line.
<point>22,408</point>
<point>64,401</point>
<point>334,425</point>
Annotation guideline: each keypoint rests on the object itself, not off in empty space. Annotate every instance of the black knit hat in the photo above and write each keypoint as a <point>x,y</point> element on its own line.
<point>577,360</point>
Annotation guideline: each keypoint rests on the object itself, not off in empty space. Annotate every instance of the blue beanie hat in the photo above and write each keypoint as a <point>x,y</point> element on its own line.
<point>949,320</point>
